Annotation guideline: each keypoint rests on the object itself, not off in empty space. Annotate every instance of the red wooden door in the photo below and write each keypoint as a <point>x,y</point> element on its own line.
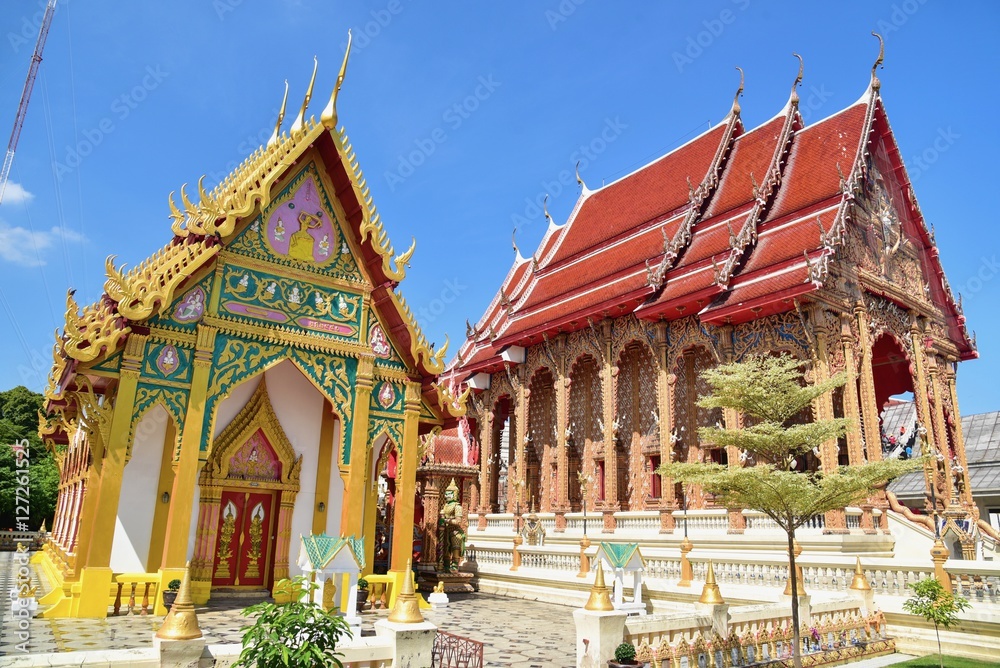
<point>244,544</point>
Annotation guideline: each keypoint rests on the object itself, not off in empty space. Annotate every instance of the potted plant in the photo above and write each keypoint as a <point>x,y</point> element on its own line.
<point>362,593</point>
<point>308,633</point>
<point>170,593</point>
<point>624,656</point>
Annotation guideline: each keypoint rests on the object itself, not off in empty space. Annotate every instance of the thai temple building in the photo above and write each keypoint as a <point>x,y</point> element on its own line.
<point>261,379</point>
<point>258,379</point>
<point>786,238</point>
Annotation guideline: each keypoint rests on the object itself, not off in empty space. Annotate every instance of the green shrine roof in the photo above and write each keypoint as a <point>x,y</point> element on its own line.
<point>620,554</point>
<point>321,548</point>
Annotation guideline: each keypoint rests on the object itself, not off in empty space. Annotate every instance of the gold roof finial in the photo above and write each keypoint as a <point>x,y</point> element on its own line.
<point>407,608</point>
<point>600,596</point>
<point>300,120</point>
<point>710,593</point>
<point>735,111</point>
<point>329,116</point>
<point>281,117</point>
<point>798,80</point>
<point>181,623</point>
<point>876,84</point>
<point>860,582</point>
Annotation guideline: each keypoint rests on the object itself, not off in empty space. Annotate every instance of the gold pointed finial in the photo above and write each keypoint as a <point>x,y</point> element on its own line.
<point>798,80</point>
<point>600,595</point>
<point>876,84</point>
<point>407,608</point>
<point>710,593</point>
<point>281,117</point>
<point>860,582</point>
<point>181,623</point>
<point>300,120</point>
<point>329,116</point>
<point>41,529</point>
<point>736,98</point>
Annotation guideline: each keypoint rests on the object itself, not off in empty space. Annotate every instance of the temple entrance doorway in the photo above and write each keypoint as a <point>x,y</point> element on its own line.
<point>246,539</point>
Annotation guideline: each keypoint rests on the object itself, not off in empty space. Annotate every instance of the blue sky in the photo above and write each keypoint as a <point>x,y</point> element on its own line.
<point>134,99</point>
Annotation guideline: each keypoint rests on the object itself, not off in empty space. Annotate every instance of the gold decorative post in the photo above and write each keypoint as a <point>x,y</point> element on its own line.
<point>181,622</point>
<point>799,588</point>
<point>585,480</point>
<point>860,582</point>
<point>407,608</point>
<point>600,595</point>
<point>710,594</point>
<point>687,573</point>
<point>939,554</point>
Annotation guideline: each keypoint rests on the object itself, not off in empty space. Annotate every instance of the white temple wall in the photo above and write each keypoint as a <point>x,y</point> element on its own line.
<point>335,503</point>
<point>137,503</point>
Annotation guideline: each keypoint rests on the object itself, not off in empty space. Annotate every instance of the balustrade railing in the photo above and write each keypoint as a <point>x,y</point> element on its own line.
<point>138,590</point>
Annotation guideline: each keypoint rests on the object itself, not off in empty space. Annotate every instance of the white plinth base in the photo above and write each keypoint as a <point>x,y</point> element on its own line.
<point>438,600</point>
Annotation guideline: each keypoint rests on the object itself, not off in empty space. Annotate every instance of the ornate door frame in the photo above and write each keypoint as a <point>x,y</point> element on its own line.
<point>217,475</point>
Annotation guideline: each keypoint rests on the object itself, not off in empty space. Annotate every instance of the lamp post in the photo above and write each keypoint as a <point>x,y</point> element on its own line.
<point>584,480</point>
<point>687,573</point>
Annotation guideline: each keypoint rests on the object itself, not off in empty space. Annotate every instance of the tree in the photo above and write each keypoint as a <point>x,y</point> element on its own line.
<point>934,604</point>
<point>772,393</point>
<point>19,422</point>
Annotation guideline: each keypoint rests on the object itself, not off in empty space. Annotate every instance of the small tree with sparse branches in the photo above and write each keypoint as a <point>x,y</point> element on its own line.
<point>772,392</point>
<point>936,605</point>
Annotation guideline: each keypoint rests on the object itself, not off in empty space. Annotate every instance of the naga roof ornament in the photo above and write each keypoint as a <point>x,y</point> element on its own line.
<point>875,83</point>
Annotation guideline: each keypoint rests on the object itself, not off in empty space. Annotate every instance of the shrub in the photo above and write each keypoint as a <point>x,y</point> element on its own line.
<point>174,585</point>
<point>295,634</point>
<point>625,653</point>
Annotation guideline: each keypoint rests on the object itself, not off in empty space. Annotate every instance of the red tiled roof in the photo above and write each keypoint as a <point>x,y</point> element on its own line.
<point>596,263</point>
<point>656,189</point>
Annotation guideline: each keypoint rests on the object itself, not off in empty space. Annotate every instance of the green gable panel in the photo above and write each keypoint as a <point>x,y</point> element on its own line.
<point>250,294</point>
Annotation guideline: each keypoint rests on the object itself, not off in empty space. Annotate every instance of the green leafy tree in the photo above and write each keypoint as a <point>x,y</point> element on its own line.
<point>292,634</point>
<point>936,605</point>
<point>772,392</point>
<point>18,423</point>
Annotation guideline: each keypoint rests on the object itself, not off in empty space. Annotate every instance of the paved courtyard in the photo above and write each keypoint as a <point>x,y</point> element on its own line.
<point>515,632</point>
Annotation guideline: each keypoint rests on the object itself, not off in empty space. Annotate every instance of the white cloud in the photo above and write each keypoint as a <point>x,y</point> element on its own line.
<point>15,193</point>
<point>28,249</point>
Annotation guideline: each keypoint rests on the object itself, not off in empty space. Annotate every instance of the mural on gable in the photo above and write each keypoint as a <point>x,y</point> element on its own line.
<point>299,229</point>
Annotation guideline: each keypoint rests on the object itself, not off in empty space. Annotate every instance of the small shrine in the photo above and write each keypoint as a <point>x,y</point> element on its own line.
<point>623,559</point>
<point>335,564</point>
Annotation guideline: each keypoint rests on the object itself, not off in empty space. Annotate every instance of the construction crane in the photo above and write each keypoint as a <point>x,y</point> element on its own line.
<point>29,83</point>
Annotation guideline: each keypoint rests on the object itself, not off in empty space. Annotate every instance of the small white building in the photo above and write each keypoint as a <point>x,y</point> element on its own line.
<point>624,559</point>
<point>341,559</point>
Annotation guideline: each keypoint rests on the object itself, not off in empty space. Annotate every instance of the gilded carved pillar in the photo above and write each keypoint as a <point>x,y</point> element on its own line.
<point>485,421</point>
<point>403,509</point>
<point>959,437</point>
<point>921,385</point>
<point>353,511</point>
<point>835,520</point>
<point>694,496</point>
<point>664,405</point>
<point>731,419</point>
<point>869,409</point>
<point>432,506</point>
<point>609,504</point>
<point>560,504</point>
<point>517,478</point>
<point>940,431</point>
<point>852,402</point>
<point>209,509</point>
